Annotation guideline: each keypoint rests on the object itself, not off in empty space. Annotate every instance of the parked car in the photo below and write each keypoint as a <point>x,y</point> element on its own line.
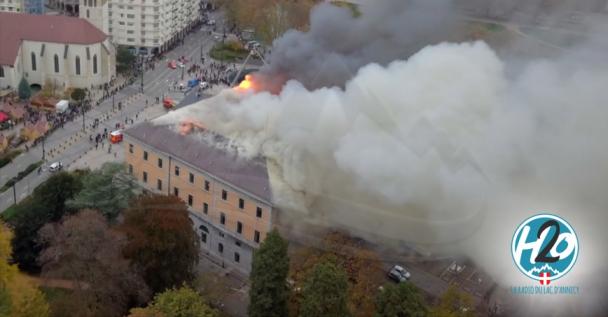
<point>203,85</point>
<point>55,167</point>
<point>398,274</point>
<point>211,22</point>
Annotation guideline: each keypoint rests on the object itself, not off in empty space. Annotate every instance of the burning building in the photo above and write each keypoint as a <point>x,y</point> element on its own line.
<point>229,198</point>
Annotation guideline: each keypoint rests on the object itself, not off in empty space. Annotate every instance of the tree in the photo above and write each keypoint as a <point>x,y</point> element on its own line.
<point>176,302</point>
<point>325,291</point>
<point>24,89</point>
<point>162,242</point>
<point>401,299</point>
<point>359,261</point>
<point>18,297</point>
<point>270,19</point>
<point>47,204</point>
<point>83,249</point>
<point>454,303</point>
<point>78,94</point>
<point>124,60</point>
<point>269,293</point>
<point>108,189</point>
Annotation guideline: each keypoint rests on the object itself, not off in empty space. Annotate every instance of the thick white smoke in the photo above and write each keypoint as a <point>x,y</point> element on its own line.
<point>442,151</point>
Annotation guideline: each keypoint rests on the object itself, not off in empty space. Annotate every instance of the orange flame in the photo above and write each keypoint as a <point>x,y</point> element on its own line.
<point>246,84</point>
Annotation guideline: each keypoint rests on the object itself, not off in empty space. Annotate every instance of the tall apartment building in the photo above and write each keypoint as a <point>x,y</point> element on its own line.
<point>68,6</point>
<point>148,26</point>
<point>11,6</point>
<point>33,6</point>
<point>229,198</point>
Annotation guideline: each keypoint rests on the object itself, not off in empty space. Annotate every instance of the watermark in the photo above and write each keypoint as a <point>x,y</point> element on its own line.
<point>545,248</point>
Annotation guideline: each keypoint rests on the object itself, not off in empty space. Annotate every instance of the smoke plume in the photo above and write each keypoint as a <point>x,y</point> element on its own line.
<point>447,150</point>
<point>338,43</point>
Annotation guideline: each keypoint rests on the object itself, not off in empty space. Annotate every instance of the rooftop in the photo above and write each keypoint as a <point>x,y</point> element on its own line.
<point>249,175</point>
<point>17,27</point>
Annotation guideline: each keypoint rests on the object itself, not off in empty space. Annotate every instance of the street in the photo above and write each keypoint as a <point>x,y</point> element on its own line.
<point>69,143</point>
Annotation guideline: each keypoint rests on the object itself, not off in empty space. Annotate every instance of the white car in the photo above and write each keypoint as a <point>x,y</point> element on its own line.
<point>398,274</point>
<point>211,22</point>
<point>203,85</point>
<point>54,167</point>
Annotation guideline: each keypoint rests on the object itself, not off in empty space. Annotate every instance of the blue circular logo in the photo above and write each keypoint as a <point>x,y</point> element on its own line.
<point>544,247</point>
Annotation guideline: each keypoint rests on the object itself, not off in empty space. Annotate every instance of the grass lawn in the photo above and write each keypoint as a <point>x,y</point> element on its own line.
<point>21,175</point>
<point>8,157</point>
<point>226,53</point>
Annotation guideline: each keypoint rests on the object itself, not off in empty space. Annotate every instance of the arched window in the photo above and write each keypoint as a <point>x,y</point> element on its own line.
<point>33,61</point>
<point>95,2</point>
<point>56,60</point>
<point>77,65</point>
<point>1,72</point>
<point>88,16</point>
<point>94,64</point>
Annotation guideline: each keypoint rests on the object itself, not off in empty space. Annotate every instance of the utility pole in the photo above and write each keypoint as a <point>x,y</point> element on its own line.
<point>82,109</point>
<point>142,74</point>
<point>14,193</point>
<point>112,101</point>
<point>43,151</point>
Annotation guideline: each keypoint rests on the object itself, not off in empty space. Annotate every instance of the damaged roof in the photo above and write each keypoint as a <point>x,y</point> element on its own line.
<point>249,175</point>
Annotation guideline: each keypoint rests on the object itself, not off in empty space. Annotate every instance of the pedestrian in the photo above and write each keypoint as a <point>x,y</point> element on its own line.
<point>39,170</point>
<point>102,144</point>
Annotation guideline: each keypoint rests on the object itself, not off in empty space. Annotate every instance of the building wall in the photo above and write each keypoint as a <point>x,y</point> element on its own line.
<point>11,5</point>
<point>96,12</point>
<point>33,6</point>
<point>67,76</point>
<point>195,192</point>
<point>11,75</point>
<point>150,24</point>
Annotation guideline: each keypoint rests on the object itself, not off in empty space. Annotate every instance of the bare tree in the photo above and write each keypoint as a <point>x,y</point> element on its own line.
<point>85,250</point>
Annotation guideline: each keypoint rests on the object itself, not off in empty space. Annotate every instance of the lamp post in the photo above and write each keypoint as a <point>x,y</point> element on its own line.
<point>82,109</point>
<point>142,73</point>
<point>43,151</point>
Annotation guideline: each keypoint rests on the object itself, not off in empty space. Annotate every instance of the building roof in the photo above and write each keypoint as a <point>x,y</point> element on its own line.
<point>249,175</point>
<point>17,27</point>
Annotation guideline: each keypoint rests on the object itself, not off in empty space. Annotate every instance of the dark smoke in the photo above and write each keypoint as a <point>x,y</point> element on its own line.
<point>338,43</point>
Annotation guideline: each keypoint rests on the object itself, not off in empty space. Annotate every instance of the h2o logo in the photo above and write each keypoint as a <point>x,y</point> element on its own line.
<point>544,247</point>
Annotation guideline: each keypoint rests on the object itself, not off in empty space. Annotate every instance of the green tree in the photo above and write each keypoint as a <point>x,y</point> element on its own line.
<point>162,242</point>
<point>269,292</point>
<point>78,94</point>
<point>325,291</point>
<point>83,248</point>
<point>108,189</point>
<point>24,89</point>
<point>454,303</point>
<point>47,204</point>
<point>176,302</point>
<point>124,60</point>
<point>402,299</point>
<point>18,297</point>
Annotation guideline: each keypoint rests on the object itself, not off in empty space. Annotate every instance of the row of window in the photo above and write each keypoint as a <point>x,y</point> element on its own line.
<point>191,179</point>
<point>256,236</point>
<point>159,186</point>
<point>56,63</point>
